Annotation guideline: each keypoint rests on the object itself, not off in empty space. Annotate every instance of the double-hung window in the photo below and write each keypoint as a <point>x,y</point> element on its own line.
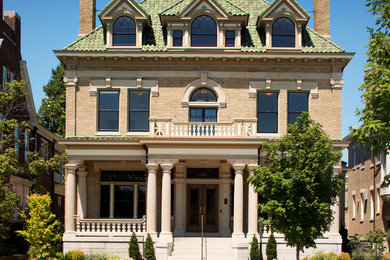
<point>297,103</point>
<point>139,110</point>
<point>177,38</point>
<point>108,110</point>
<point>267,112</point>
<point>229,38</point>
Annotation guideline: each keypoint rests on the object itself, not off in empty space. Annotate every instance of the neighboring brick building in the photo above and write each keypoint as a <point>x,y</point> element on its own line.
<point>368,202</point>
<point>36,137</point>
<point>167,105</point>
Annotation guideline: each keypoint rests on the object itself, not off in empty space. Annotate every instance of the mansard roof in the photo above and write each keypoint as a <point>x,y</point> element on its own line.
<point>254,39</point>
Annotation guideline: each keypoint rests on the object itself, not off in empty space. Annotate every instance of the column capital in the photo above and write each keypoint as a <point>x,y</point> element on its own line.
<point>152,167</point>
<point>73,165</point>
<point>82,172</point>
<point>238,165</point>
<point>167,165</point>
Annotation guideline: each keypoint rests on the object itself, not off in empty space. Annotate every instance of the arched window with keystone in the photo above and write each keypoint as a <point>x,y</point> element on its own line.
<point>283,33</point>
<point>204,31</point>
<point>124,32</point>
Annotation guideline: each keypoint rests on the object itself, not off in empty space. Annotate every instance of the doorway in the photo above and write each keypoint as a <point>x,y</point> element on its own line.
<point>202,199</point>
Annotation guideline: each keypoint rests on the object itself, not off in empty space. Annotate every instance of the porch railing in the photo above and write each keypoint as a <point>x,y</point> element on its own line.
<point>239,128</point>
<point>111,225</point>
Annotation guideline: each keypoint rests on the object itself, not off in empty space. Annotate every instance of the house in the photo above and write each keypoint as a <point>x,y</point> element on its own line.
<point>167,106</point>
<point>35,137</point>
<point>368,201</point>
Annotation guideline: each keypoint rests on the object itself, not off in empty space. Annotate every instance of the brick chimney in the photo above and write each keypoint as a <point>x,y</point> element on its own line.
<point>87,16</point>
<point>13,20</point>
<point>322,17</point>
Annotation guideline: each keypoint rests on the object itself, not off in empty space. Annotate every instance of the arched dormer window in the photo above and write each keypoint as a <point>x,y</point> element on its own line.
<point>124,32</point>
<point>203,94</point>
<point>204,31</point>
<point>283,33</point>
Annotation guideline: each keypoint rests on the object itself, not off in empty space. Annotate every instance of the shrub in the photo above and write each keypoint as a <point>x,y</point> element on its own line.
<point>271,249</point>
<point>75,255</point>
<point>344,256</point>
<point>149,249</point>
<point>255,251</point>
<point>101,257</point>
<point>134,247</point>
<point>320,255</point>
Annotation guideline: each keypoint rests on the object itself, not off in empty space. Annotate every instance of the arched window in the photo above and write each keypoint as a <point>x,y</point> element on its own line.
<point>204,31</point>
<point>124,32</point>
<point>203,94</point>
<point>283,33</point>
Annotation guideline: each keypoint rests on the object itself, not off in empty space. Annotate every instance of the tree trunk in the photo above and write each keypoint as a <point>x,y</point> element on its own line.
<point>298,249</point>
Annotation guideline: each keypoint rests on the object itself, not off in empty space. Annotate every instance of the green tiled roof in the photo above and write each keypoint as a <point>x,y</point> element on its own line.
<point>253,38</point>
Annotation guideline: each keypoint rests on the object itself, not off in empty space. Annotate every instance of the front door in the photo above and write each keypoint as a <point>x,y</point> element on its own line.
<point>202,200</point>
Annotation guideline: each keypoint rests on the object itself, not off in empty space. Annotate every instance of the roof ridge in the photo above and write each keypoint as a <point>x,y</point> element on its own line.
<point>83,37</point>
<point>175,4</point>
<point>324,38</point>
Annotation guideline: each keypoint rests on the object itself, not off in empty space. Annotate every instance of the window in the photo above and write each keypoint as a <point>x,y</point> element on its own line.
<point>372,201</point>
<point>283,33</point>
<point>363,154</point>
<point>203,94</point>
<point>7,77</point>
<point>297,103</point>
<point>204,31</point>
<point>125,187</point>
<point>26,143</point>
<point>353,207</point>
<point>108,110</point>
<point>267,112</point>
<point>139,111</point>
<point>378,201</point>
<point>177,38</point>
<point>230,36</point>
<point>16,136</point>
<point>45,149</point>
<point>124,32</point>
<point>203,114</point>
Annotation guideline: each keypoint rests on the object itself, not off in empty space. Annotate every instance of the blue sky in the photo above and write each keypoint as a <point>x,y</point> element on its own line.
<point>49,25</point>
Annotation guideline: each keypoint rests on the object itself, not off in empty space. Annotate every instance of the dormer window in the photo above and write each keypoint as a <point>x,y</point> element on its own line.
<point>204,31</point>
<point>124,32</point>
<point>283,33</point>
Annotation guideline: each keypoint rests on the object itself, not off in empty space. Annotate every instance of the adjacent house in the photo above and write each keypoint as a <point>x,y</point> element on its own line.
<point>167,106</point>
<point>368,201</point>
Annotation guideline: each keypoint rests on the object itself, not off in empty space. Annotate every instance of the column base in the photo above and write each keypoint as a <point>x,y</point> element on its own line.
<point>238,235</point>
<point>250,235</point>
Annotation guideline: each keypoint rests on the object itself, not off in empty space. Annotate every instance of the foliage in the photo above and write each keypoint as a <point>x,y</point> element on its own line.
<point>42,230</point>
<point>51,114</point>
<point>102,257</point>
<point>376,239</point>
<point>375,115</point>
<point>344,256</point>
<point>254,251</point>
<point>271,249</point>
<point>134,247</point>
<point>320,255</point>
<point>75,255</point>
<point>149,249</point>
<point>297,183</point>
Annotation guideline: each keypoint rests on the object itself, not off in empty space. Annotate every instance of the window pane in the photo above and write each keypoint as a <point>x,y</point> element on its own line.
<point>203,94</point>
<point>139,100</point>
<point>210,115</point>
<point>123,201</point>
<point>229,38</point>
<point>141,200</point>
<point>104,201</point>
<point>267,123</point>
<point>139,121</point>
<point>177,38</point>
<point>196,115</point>
<point>108,100</point>
<point>267,102</point>
<point>124,39</point>
<point>283,33</point>
<point>108,121</point>
<point>124,31</point>
<point>297,102</point>
<point>204,31</point>
<point>292,117</point>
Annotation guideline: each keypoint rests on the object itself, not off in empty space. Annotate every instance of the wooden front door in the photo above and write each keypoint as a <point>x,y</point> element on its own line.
<point>202,199</point>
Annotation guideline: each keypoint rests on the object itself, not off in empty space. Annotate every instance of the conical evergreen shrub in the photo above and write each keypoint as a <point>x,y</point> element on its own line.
<point>271,249</point>
<point>134,248</point>
<point>149,249</point>
<point>255,250</point>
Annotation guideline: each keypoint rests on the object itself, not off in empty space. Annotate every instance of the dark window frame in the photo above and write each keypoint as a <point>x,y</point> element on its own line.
<point>283,33</point>
<point>210,35</point>
<point>177,40</point>
<point>229,38</point>
<point>204,113</point>
<point>209,92</point>
<point>296,112</point>
<point>131,32</point>
<point>130,111</point>
<point>259,113</point>
<point>107,110</point>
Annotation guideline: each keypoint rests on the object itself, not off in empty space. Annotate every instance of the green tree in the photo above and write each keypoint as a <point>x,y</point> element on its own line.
<point>51,114</point>
<point>42,230</point>
<point>375,115</point>
<point>271,249</point>
<point>297,183</point>
<point>149,249</point>
<point>254,251</point>
<point>134,247</point>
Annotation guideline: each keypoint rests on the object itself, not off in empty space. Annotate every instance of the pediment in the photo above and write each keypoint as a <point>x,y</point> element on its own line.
<point>203,6</point>
<point>288,8</point>
<point>120,7</point>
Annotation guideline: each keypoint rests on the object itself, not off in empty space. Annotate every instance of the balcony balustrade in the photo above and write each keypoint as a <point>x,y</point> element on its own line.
<point>111,226</point>
<point>237,128</point>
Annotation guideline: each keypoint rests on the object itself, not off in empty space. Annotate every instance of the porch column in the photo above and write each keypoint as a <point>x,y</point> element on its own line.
<point>238,220</point>
<point>335,226</point>
<point>180,200</point>
<point>151,199</point>
<point>135,202</point>
<point>82,192</point>
<point>166,200</point>
<point>252,207</point>
<point>70,196</point>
